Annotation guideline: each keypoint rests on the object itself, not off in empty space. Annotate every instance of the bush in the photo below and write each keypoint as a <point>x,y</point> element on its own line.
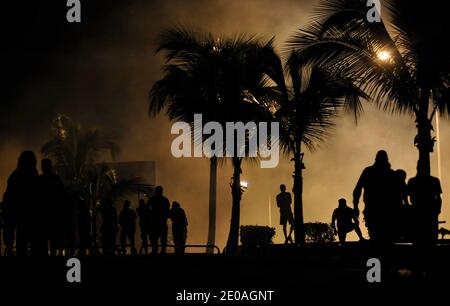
<point>317,232</point>
<point>253,235</point>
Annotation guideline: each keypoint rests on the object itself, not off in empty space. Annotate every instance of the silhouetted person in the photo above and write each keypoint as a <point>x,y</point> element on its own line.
<point>179,227</point>
<point>284,201</point>
<point>20,207</point>
<point>425,195</point>
<point>1,225</point>
<point>144,214</point>
<point>160,208</point>
<point>127,221</point>
<point>109,226</point>
<point>75,226</point>
<point>84,227</point>
<point>400,221</point>
<point>378,182</point>
<point>345,219</point>
<point>9,223</point>
<point>52,204</point>
<point>443,232</point>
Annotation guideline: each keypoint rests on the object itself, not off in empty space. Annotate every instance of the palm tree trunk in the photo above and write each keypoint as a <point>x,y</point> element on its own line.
<point>233,236</point>
<point>212,203</point>
<point>424,141</point>
<point>299,230</point>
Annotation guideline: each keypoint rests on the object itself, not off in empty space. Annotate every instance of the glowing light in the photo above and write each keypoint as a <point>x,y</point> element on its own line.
<point>244,184</point>
<point>384,55</point>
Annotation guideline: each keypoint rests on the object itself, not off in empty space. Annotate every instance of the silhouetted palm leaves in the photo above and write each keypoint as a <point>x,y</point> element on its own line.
<point>223,79</point>
<point>416,76</point>
<point>311,102</point>
<point>76,153</point>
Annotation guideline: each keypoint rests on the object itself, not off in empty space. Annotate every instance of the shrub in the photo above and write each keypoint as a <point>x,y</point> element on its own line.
<point>317,232</point>
<point>253,235</point>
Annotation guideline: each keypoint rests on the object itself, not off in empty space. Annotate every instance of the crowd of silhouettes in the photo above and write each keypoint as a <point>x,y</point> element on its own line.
<point>38,213</point>
<point>34,210</point>
<point>395,210</point>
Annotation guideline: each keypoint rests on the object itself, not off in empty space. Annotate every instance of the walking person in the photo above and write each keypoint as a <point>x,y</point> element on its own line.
<point>378,182</point>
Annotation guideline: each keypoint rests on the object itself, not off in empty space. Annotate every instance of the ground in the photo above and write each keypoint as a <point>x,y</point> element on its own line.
<point>321,273</point>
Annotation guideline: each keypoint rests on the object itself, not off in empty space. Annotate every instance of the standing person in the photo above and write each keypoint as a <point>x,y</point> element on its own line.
<point>20,208</point>
<point>2,232</point>
<point>425,195</point>
<point>179,227</point>
<point>377,181</point>
<point>9,222</point>
<point>342,221</point>
<point>52,202</point>
<point>284,201</point>
<point>400,215</point>
<point>84,225</point>
<point>160,207</point>
<point>127,221</point>
<point>109,227</point>
<point>144,214</point>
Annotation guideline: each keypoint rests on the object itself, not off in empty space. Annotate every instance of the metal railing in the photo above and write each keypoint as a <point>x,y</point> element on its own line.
<point>144,250</point>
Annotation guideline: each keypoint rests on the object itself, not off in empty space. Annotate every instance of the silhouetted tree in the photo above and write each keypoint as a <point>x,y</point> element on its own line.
<point>403,64</point>
<point>188,87</point>
<point>219,78</point>
<point>306,109</point>
<point>77,153</point>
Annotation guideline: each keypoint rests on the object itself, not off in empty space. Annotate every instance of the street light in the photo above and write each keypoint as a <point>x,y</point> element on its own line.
<point>244,184</point>
<point>384,55</point>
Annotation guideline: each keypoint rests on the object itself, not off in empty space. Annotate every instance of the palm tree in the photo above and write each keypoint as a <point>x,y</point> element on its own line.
<point>403,64</point>
<point>218,78</point>
<point>306,112</point>
<point>76,151</point>
<point>188,87</point>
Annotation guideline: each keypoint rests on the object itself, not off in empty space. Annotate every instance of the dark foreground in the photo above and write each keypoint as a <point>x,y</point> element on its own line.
<point>279,274</point>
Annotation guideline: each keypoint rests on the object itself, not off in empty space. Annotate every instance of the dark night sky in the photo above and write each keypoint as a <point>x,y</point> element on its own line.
<point>99,72</point>
<point>39,43</point>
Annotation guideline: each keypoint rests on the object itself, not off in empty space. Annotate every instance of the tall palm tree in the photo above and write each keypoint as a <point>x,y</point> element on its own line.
<point>218,78</point>
<point>188,87</point>
<point>403,63</point>
<point>306,112</point>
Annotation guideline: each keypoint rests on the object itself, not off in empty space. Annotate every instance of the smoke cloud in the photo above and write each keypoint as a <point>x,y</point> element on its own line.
<point>103,80</point>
